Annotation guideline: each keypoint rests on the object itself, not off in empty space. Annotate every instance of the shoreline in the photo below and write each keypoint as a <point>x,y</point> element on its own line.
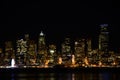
<point>60,70</point>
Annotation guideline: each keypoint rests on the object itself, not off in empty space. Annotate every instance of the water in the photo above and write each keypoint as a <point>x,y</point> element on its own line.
<point>60,76</point>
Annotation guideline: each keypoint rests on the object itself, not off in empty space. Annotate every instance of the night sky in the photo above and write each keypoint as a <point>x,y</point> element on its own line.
<point>58,19</point>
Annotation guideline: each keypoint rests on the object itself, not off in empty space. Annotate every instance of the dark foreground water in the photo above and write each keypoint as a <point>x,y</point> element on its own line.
<point>59,75</point>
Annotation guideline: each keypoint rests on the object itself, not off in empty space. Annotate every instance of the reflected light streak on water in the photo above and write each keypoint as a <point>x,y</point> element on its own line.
<point>60,76</point>
<point>73,76</point>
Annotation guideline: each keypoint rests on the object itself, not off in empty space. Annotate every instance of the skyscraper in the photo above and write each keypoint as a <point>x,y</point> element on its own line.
<point>104,44</point>
<point>104,38</point>
<point>42,49</point>
<point>52,53</point>
<point>32,53</point>
<point>21,52</point>
<point>66,49</point>
<point>79,49</point>
<point>41,41</point>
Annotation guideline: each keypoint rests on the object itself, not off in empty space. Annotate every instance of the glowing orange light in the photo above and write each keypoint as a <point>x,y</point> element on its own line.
<point>60,60</point>
<point>73,59</point>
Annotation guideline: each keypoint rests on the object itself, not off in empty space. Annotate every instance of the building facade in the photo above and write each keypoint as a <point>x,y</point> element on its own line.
<point>42,49</point>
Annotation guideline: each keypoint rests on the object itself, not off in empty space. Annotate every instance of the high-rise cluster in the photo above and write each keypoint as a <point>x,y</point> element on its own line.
<point>28,52</point>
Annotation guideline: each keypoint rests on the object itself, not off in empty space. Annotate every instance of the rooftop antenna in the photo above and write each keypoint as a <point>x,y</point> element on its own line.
<point>42,28</point>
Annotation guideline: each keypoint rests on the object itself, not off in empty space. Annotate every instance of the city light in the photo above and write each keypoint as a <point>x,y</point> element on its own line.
<point>29,53</point>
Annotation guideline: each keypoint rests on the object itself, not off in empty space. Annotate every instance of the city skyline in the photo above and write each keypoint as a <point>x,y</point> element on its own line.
<point>57,20</point>
<point>56,39</point>
<point>74,52</point>
<point>54,33</point>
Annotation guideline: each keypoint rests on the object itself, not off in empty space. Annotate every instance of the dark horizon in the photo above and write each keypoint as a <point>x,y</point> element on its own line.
<point>58,20</point>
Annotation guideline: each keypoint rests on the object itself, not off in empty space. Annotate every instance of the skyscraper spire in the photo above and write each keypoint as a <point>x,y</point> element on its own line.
<point>41,33</point>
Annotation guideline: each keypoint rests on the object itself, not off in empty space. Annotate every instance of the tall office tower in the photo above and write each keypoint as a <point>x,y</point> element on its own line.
<point>42,49</point>
<point>66,49</point>
<point>104,43</point>
<point>79,49</point>
<point>9,53</point>
<point>21,52</point>
<point>104,38</point>
<point>31,53</point>
<point>52,53</point>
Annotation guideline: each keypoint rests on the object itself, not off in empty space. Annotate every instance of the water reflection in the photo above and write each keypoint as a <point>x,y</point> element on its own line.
<point>60,76</point>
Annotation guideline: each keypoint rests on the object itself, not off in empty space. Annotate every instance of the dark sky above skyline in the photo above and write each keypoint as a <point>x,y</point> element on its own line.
<point>58,19</point>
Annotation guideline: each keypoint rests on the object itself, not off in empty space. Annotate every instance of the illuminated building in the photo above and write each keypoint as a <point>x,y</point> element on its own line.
<point>66,47</point>
<point>104,38</point>
<point>52,53</point>
<point>31,53</point>
<point>21,52</point>
<point>66,50</point>
<point>104,43</point>
<point>37,54</point>
<point>9,53</point>
<point>79,49</point>
<point>30,57</point>
<point>94,57</point>
<point>26,56</point>
<point>42,49</point>
<point>90,55</point>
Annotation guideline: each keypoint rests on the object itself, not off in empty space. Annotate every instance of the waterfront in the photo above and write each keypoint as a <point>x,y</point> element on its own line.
<point>59,74</point>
